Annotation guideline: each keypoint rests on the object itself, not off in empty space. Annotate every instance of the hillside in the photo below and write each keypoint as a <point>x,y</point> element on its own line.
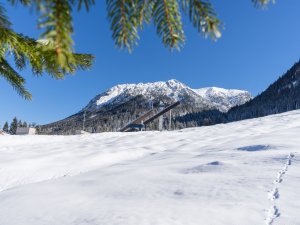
<point>281,96</point>
<point>242,173</point>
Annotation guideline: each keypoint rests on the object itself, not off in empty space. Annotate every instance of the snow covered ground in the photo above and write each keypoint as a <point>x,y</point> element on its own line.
<point>243,173</point>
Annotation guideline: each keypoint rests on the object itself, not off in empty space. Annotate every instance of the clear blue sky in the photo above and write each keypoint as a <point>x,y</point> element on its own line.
<point>257,47</point>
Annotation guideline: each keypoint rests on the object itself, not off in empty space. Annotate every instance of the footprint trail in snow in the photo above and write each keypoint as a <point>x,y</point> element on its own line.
<point>273,195</point>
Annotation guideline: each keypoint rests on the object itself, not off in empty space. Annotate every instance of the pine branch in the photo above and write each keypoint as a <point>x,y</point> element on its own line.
<point>81,62</point>
<point>22,48</point>
<point>86,3</point>
<point>20,60</point>
<point>4,22</point>
<point>57,21</point>
<point>13,78</point>
<point>203,17</point>
<point>143,12</point>
<point>40,55</point>
<point>262,3</point>
<point>168,23</point>
<point>22,2</point>
<point>53,54</point>
<point>123,23</point>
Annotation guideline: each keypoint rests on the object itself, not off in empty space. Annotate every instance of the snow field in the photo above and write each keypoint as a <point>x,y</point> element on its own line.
<point>242,173</point>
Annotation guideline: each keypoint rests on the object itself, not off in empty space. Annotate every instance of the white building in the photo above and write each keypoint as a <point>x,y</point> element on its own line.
<point>3,133</point>
<point>25,131</point>
<point>80,132</point>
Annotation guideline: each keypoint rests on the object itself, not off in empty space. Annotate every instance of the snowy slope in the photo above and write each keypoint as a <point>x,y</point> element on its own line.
<point>219,98</point>
<point>243,173</point>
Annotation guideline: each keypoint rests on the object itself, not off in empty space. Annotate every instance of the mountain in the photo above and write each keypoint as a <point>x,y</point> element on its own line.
<point>281,96</point>
<point>114,108</point>
<point>224,99</point>
<point>173,90</point>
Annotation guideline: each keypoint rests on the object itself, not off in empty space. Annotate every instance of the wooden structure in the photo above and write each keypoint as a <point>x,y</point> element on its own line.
<point>148,117</point>
<point>139,120</point>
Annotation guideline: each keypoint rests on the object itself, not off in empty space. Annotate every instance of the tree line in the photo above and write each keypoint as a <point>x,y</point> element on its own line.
<point>15,123</point>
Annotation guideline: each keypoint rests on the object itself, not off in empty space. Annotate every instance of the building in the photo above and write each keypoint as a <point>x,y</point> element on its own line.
<point>25,131</point>
<point>3,133</point>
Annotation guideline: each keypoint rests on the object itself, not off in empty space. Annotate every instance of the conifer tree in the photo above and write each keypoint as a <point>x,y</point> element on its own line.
<point>13,126</point>
<point>5,127</point>
<point>20,123</point>
<point>53,53</point>
<point>32,125</point>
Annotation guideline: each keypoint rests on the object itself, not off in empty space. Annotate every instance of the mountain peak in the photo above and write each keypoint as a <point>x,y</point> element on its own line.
<point>173,81</point>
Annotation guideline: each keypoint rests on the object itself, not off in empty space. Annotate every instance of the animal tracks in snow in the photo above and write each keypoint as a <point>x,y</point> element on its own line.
<point>273,195</point>
<point>273,213</point>
<point>289,161</point>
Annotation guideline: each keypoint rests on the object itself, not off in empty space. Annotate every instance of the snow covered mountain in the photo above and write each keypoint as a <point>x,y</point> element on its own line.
<point>119,94</point>
<point>224,99</point>
<point>219,98</point>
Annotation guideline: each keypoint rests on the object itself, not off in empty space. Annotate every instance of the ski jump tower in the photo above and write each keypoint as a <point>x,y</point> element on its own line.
<point>139,123</point>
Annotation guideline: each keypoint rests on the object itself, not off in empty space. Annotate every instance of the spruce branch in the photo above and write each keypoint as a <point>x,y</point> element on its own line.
<point>167,20</point>
<point>123,23</point>
<point>57,22</point>
<point>4,21</point>
<point>22,2</point>
<point>41,55</point>
<point>16,81</point>
<point>143,12</point>
<point>262,3</point>
<point>203,17</point>
<point>87,4</point>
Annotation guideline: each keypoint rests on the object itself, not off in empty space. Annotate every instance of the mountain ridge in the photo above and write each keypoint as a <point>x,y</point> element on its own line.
<point>220,98</point>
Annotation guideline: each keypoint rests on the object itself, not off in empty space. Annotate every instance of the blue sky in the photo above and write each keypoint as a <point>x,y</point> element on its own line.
<point>257,46</point>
